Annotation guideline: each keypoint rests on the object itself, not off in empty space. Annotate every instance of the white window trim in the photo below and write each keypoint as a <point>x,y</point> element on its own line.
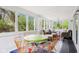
<point>16,21</point>
<point>34,23</point>
<point>26,22</point>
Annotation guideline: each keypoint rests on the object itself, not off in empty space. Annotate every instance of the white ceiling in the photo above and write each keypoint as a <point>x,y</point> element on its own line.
<point>51,12</point>
<point>59,12</point>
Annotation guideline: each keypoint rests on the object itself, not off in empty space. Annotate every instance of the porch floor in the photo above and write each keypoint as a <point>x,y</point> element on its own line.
<point>68,47</point>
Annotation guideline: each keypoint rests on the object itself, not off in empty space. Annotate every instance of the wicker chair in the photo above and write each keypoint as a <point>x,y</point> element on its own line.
<point>65,35</point>
<point>20,44</point>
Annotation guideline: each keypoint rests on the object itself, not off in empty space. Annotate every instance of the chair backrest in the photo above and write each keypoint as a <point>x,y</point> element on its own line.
<point>51,46</point>
<point>54,37</point>
<point>65,35</point>
<point>21,45</point>
<point>18,43</point>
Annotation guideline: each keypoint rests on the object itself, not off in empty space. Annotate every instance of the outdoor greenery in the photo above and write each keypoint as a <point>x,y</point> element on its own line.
<point>59,25</point>
<point>30,23</point>
<point>21,23</point>
<point>65,24</point>
<point>42,23</point>
<point>7,20</point>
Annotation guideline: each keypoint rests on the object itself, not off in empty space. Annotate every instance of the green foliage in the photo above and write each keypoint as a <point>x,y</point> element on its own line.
<point>21,23</point>
<point>6,26</point>
<point>7,21</point>
<point>58,25</point>
<point>65,24</point>
<point>30,23</point>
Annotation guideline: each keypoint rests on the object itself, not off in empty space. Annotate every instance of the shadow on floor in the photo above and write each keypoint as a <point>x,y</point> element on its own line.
<point>68,46</point>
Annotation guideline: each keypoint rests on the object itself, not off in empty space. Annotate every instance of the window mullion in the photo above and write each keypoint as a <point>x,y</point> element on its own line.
<point>34,23</point>
<point>27,23</point>
<point>16,22</point>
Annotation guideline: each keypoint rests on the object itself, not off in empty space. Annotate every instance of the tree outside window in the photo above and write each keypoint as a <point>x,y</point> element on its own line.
<point>42,24</point>
<point>30,23</point>
<point>21,23</point>
<point>7,20</point>
<point>60,25</point>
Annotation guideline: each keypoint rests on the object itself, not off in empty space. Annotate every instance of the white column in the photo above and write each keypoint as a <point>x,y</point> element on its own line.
<point>34,23</point>
<point>37,24</point>
<point>77,45</point>
<point>44,24</point>
<point>74,30</point>
<point>52,25</point>
<point>78,32</point>
<point>48,24</point>
<point>27,22</point>
<point>16,21</point>
<point>74,33</point>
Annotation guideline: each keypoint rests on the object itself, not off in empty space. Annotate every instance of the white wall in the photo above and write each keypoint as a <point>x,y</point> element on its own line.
<point>7,43</point>
<point>78,36</point>
<point>74,34</point>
